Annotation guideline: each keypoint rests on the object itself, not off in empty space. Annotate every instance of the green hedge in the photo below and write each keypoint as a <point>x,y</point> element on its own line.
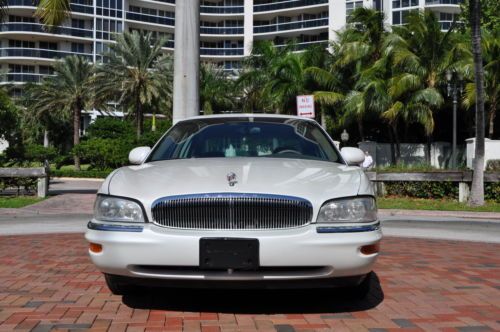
<point>98,174</point>
<point>27,184</point>
<point>436,190</point>
<point>422,189</point>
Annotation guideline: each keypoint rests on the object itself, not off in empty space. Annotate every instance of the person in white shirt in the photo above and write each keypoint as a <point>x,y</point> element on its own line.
<point>368,162</point>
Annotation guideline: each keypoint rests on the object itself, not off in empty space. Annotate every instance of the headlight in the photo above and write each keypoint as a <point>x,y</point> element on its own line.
<point>362,209</point>
<point>108,208</point>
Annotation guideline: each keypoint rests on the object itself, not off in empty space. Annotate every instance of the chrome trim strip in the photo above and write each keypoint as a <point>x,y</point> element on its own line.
<point>114,228</point>
<point>348,229</point>
<point>230,195</point>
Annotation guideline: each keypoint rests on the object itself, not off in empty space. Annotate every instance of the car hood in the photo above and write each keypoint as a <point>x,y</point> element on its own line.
<point>316,181</point>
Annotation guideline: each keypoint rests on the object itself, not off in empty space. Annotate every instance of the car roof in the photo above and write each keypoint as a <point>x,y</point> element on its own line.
<point>247,115</point>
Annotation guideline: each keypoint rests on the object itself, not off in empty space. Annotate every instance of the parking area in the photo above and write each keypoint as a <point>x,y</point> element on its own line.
<point>48,283</point>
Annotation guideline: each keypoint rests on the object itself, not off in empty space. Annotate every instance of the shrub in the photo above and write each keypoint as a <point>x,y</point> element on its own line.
<point>422,189</point>
<point>39,153</point>
<point>493,165</point>
<point>103,153</point>
<point>80,174</point>
<point>492,191</point>
<point>28,184</point>
<point>111,128</point>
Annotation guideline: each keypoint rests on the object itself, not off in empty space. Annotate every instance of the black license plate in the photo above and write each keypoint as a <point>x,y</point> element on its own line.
<point>229,253</point>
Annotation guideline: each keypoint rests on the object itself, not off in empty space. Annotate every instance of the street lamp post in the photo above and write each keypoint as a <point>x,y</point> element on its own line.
<point>454,86</point>
<point>186,98</point>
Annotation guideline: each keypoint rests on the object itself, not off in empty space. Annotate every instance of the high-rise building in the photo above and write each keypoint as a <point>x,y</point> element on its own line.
<point>228,28</point>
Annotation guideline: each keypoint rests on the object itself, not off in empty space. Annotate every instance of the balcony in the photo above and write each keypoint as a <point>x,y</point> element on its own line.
<point>443,2</point>
<point>22,77</point>
<point>222,9</point>
<point>39,53</point>
<point>76,6</point>
<point>291,26</point>
<point>144,18</point>
<point>287,4</point>
<point>221,51</point>
<point>39,28</point>
<point>305,45</point>
<point>204,30</point>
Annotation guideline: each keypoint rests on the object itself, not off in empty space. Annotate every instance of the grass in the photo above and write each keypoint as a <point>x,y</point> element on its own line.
<point>18,201</point>
<point>406,203</point>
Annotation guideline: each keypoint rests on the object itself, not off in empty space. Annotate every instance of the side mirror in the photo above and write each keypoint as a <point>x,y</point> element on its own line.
<point>353,156</point>
<point>138,155</point>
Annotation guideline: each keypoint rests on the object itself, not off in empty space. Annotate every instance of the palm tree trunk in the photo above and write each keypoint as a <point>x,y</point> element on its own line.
<point>77,112</point>
<point>361,129</point>
<point>393,148</point>
<point>477,189</point>
<point>428,150</point>
<point>139,117</point>
<point>492,115</point>
<point>398,145</point>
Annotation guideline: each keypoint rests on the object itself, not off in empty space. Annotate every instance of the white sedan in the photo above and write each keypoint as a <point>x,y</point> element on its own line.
<point>247,200</point>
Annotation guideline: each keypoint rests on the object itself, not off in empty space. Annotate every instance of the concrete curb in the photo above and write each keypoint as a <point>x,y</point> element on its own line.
<point>439,214</point>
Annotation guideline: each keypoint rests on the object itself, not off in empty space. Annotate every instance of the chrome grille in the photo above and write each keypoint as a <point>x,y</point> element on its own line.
<point>232,211</point>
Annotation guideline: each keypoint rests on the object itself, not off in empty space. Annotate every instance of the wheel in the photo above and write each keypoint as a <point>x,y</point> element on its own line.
<point>118,288</point>
<point>363,289</point>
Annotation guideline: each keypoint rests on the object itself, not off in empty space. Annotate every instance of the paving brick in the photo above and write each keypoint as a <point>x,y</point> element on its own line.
<point>421,284</point>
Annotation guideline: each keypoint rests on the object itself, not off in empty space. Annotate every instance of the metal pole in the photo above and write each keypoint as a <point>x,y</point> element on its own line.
<point>454,144</point>
<point>186,98</point>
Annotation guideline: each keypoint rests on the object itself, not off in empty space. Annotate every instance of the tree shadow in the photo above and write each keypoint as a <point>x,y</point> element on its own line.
<point>262,301</point>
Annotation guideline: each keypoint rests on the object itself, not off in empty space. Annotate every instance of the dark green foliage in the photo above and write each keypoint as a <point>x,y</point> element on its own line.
<point>39,153</point>
<point>423,189</point>
<point>27,184</point>
<point>493,165</point>
<point>111,139</point>
<point>104,153</point>
<point>110,128</point>
<point>80,174</point>
<point>492,191</point>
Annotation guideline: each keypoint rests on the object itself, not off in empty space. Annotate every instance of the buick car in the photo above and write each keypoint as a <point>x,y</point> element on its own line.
<point>245,200</point>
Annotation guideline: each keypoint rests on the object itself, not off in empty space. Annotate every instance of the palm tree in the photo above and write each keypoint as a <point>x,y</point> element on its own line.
<point>491,58</point>
<point>215,89</point>
<point>256,74</point>
<point>421,54</point>
<point>477,189</point>
<point>134,74</point>
<point>53,12</point>
<point>352,80</point>
<point>67,92</point>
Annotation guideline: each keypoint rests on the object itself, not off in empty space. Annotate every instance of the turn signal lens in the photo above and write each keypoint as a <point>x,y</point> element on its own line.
<point>370,249</point>
<point>95,248</point>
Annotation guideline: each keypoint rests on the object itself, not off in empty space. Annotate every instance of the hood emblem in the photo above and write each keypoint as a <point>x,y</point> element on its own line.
<point>231,179</point>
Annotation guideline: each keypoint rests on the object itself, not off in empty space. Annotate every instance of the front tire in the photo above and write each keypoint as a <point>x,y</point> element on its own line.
<point>362,290</point>
<point>118,288</point>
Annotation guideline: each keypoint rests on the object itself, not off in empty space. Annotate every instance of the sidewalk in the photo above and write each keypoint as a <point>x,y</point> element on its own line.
<point>383,213</point>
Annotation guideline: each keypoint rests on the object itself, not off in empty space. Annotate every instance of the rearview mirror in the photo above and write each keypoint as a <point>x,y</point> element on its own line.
<point>138,155</point>
<point>352,156</point>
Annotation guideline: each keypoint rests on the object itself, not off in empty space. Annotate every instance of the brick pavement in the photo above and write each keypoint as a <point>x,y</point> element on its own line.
<point>48,283</point>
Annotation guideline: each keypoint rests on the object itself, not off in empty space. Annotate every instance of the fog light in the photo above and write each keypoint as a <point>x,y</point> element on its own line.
<point>370,249</point>
<point>95,248</point>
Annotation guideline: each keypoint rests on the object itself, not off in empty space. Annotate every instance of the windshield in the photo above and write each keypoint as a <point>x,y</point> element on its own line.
<point>245,137</point>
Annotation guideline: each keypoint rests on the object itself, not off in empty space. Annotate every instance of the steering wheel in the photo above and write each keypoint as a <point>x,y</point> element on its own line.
<point>284,149</point>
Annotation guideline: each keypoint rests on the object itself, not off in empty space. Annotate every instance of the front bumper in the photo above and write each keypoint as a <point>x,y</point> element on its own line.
<point>305,253</point>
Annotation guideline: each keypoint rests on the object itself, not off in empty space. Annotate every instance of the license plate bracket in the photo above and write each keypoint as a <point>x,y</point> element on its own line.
<point>229,253</point>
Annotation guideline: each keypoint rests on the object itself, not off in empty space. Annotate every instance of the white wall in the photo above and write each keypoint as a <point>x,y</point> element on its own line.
<point>491,151</point>
<point>411,153</point>
<point>3,145</point>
